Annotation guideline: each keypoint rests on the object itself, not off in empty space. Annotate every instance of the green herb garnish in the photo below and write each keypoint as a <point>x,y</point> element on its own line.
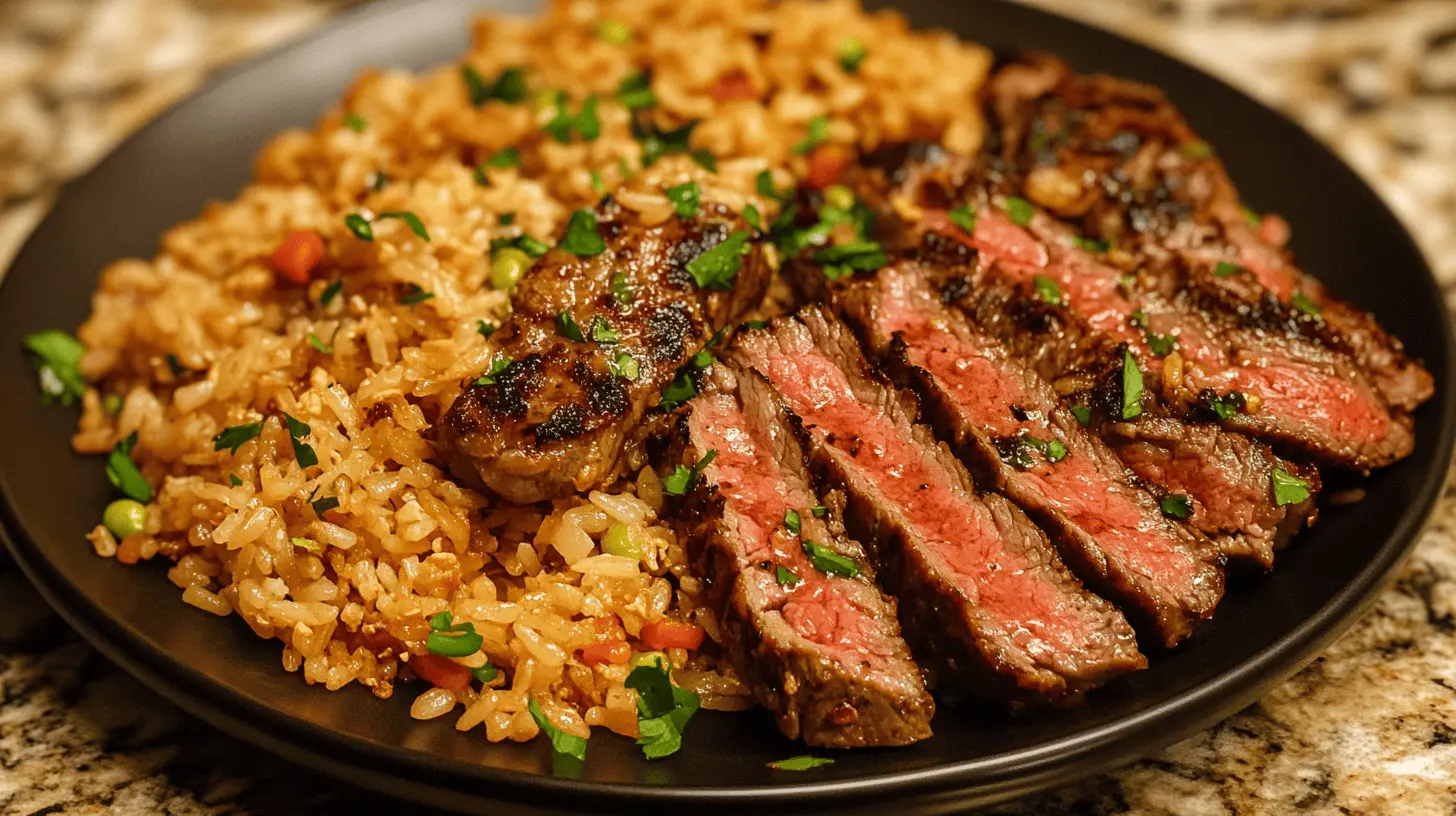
<point>567,327</point>
<point>752,216</point>
<point>635,92</point>
<point>1302,302</point>
<point>56,357</point>
<point>330,292</point>
<point>1132,387</point>
<point>686,199</point>
<point>323,348</point>
<point>818,135</point>
<point>1047,289</point>
<point>843,260</point>
<point>1092,244</point>
<point>787,578</point>
<point>791,521</point>
<point>800,763</point>
<point>509,87</point>
<point>765,184</point>
<point>625,366</point>
<point>414,294</point>
<point>602,331</point>
<point>123,472</point>
<point>234,480</point>
<point>851,53</point>
<point>410,219</point>
<point>562,743</point>
<point>232,438</point>
<point>450,639</point>
<point>505,159</point>
<point>681,479</point>
<point>497,365</point>
<point>582,238</point>
<point>964,217</point>
<point>828,561</point>
<point>1176,505</point>
<point>356,123</point>
<point>658,143</point>
<point>1288,488</point>
<point>1196,150</point>
<point>663,710</point>
<point>302,451</point>
<point>1228,270</point>
<point>621,292</point>
<point>486,329</point>
<point>1019,210</point>
<point>358,225</point>
<point>717,267</point>
<point>324,505</point>
<point>1083,414</point>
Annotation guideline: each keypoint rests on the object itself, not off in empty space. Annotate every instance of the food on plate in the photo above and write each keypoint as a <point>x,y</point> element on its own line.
<point>663,355</point>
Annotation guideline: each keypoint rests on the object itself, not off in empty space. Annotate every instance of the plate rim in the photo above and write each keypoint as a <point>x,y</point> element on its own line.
<point>997,778</point>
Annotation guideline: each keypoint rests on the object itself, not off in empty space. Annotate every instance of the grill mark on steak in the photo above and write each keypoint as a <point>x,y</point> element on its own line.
<point>1172,205</point>
<point>985,598</point>
<point>824,655</point>
<point>997,412</point>
<point>558,420</point>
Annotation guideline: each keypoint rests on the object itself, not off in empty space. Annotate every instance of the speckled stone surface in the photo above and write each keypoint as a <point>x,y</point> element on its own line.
<point>1369,728</point>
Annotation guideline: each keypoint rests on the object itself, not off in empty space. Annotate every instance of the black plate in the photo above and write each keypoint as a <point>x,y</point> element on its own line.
<point>1267,627</point>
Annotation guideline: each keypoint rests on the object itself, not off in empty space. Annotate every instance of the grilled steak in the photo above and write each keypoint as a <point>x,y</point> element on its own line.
<point>590,345</point>
<point>1162,194</point>
<point>823,652</point>
<point>1010,425</point>
<point>984,597</point>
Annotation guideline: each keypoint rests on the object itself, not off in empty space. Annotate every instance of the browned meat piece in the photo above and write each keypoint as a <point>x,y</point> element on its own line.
<point>820,650</point>
<point>1009,424</point>
<point>1162,194</point>
<point>984,598</point>
<point>591,345</point>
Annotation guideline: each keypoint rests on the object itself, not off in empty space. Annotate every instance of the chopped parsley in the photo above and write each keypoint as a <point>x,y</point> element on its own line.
<point>302,451</point>
<point>787,578</point>
<point>658,143</point>
<point>843,260</point>
<point>800,763</point>
<point>717,267</point>
<point>680,390</point>
<point>818,135</point>
<point>1019,210</point>
<point>851,53</point>
<point>233,437</point>
<point>828,561</point>
<point>509,87</point>
<point>450,639</point>
<point>1083,414</point>
<point>323,348</point>
<point>562,743</point>
<point>1132,387</point>
<point>330,292</point>
<point>584,123</point>
<point>635,92</point>
<point>792,521</point>
<point>686,199</point>
<point>602,331</point>
<point>505,159</point>
<point>1176,505</point>
<point>497,365</point>
<point>1288,488</point>
<point>567,327</point>
<point>56,357</point>
<point>356,123</point>
<point>582,238</point>
<point>964,217</point>
<point>410,219</point>
<point>1302,302</point>
<point>123,472</point>
<point>663,710</point>
<point>1228,270</point>
<point>324,505</point>
<point>1047,289</point>
<point>625,366</point>
<point>681,479</point>
<point>414,294</point>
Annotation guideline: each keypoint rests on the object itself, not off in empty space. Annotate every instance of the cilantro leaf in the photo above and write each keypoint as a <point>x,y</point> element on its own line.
<point>582,238</point>
<point>716,268</point>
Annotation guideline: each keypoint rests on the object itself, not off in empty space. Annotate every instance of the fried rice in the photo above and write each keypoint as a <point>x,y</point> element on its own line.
<point>206,336</point>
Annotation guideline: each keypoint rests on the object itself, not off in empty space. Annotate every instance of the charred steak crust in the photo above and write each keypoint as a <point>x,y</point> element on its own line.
<point>986,602</point>
<point>822,653</point>
<point>558,418</point>
<point>1008,425</point>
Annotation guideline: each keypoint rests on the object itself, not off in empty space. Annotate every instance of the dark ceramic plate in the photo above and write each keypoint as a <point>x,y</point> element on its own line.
<point>1266,629</point>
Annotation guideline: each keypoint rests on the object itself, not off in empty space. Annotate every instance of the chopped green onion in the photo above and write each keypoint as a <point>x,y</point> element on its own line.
<point>307,544</point>
<point>324,505</point>
<point>686,199</point>
<point>964,217</point>
<point>1288,488</point>
<point>1251,217</point>
<point>1083,414</point>
<point>1092,244</point>
<point>704,159</point>
<point>450,639</point>
<point>562,743</point>
<point>625,366</point>
<point>497,365</point>
<point>718,266</point>
<point>486,329</point>
<point>584,123</point>
<point>125,517</point>
<point>787,578</point>
<point>323,348</point>
<point>800,763</point>
<point>602,331</point>
<point>819,511</point>
<point>1019,210</point>
<point>484,674</point>
<point>582,238</point>
<point>752,216</point>
<point>1047,289</point>
<point>851,52</point>
<point>567,327</point>
<point>791,521</point>
<point>376,180</point>
<point>828,561</point>
<point>57,358</point>
<point>766,187</point>
<point>1302,302</point>
<point>410,219</point>
<point>1228,270</point>
<point>330,292</point>
<point>620,541</point>
<point>358,225</point>
<point>621,292</point>
<point>635,92</point>
<point>234,480</point>
<point>598,186</point>
<point>681,479</point>
<point>123,472</point>
<point>1196,150</point>
<point>509,87</point>
<point>843,260</point>
<point>1132,387</point>
<point>818,135</point>
<point>1176,505</point>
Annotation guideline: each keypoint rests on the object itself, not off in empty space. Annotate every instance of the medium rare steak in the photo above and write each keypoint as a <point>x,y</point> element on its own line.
<point>820,650</point>
<point>984,597</point>
<point>590,345</point>
<point>1009,424</point>
<point>1117,159</point>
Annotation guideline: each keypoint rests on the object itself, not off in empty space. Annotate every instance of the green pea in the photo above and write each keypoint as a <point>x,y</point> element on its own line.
<point>839,197</point>
<point>615,32</point>
<point>620,541</point>
<point>124,517</point>
<point>507,265</point>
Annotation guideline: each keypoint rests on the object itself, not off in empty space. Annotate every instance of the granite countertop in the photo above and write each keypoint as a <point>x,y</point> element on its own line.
<point>1369,728</point>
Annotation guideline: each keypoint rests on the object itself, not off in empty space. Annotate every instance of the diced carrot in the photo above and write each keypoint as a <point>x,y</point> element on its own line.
<point>672,635</point>
<point>440,671</point>
<point>733,86</point>
<point>130,550</point>
<point>300,253</point>
<point>826,164</point>
<point>608,651</point>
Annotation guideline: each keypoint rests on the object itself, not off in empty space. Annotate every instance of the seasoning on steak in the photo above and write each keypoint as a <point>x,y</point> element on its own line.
<point>984,597</point>
<point>590,346</point>
<point>1120,161</point>
<point>1008,423</point>
<point>822,651</point>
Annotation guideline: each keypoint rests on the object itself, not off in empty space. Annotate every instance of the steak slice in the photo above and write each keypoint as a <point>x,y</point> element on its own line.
<point>822,652</point>
<point>1162,194</point>
<point>984,597</point>
<point>1009,424</point>
<point>590,346</point>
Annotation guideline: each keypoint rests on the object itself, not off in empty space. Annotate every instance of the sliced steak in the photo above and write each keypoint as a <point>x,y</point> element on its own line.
<point>1116,158</point>
<point>822,652</point>
<point>590,346</point>
<point>983,596</point>
<point>1009,424</point>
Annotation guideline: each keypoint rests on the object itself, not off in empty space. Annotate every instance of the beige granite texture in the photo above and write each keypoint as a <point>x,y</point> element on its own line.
<point>1369,728</point>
